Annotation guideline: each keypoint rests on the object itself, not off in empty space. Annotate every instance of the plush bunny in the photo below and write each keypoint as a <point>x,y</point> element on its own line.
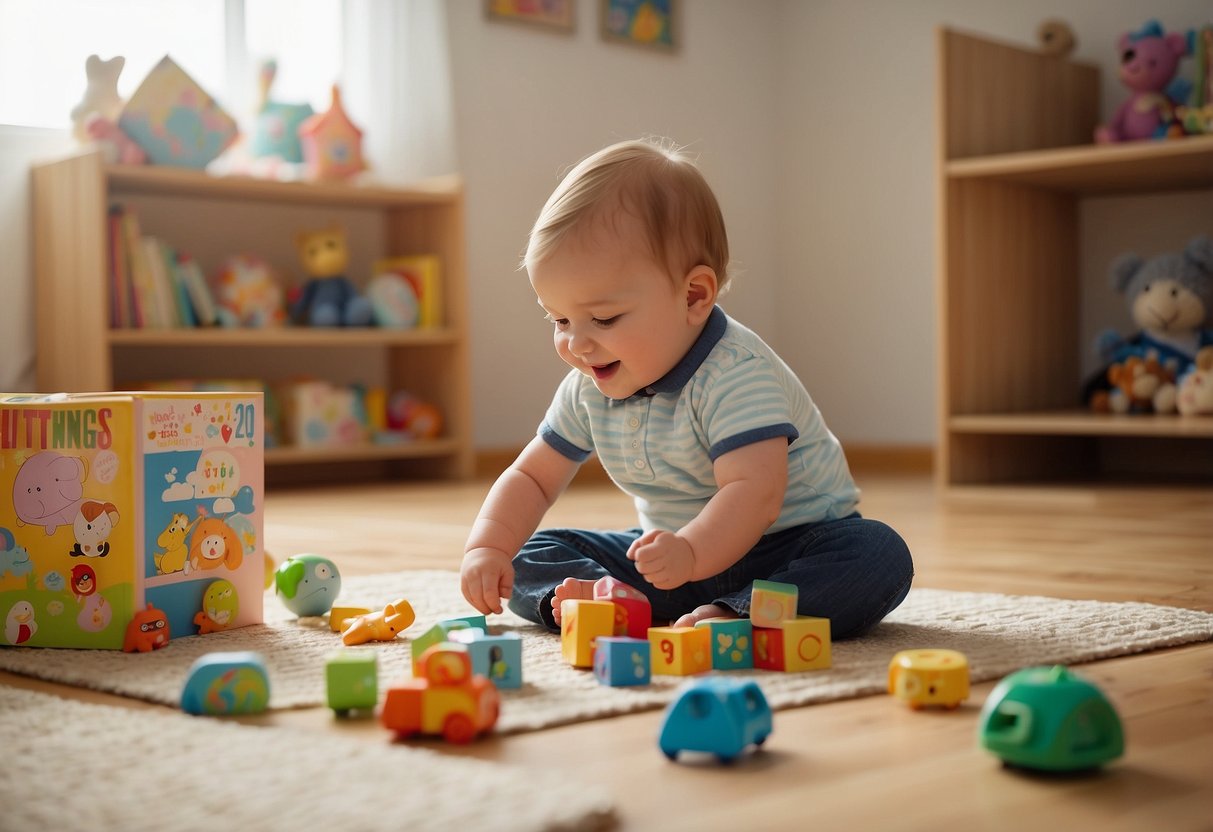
<point>100,94</point>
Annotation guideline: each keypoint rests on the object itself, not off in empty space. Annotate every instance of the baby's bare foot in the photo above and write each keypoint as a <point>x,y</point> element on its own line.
<point>573,589</point>
<point>704,613</point>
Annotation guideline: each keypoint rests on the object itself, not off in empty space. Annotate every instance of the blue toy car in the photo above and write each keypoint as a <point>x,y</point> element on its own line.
<point>716,715</point>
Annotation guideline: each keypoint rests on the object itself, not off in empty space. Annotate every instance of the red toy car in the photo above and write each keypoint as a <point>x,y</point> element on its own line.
<point>445,700</point>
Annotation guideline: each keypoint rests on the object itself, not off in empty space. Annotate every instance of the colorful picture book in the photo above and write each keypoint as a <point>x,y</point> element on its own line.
<point>114,502</point>
<point>424,274</point>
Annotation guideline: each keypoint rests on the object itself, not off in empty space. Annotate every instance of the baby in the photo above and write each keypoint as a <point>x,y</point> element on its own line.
<point>734,474</point>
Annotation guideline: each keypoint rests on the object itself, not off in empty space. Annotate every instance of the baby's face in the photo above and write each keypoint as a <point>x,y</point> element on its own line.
<point>617,316</point>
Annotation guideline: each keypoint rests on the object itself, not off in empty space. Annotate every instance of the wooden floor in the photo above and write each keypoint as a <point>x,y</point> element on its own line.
<point>865,763</point>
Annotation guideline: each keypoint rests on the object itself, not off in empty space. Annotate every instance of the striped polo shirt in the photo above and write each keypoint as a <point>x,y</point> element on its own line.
<point>730,390</point>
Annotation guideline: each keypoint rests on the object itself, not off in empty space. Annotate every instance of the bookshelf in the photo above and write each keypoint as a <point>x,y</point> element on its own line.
<point>1012,180</point>
<point>213,217</point>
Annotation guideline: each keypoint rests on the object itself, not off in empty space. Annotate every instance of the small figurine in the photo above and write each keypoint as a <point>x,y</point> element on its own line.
<point>147,631</point>
<point>328,297</point>
<point>447,700</point>
<point>226,684</point>
<point>307,584</point>
<point>339,617</point>
<point>383,625</point>
<point>332,144</point>
<point>100,94</point>
<point>716,715</point>
<point>220,606</point>
<point>1049,719</point>
<point>929,677</point>
<point>276,131</point>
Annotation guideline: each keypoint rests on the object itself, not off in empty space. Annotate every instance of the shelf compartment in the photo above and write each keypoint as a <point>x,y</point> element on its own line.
<point>299,337</point>
<point>1089,170</point>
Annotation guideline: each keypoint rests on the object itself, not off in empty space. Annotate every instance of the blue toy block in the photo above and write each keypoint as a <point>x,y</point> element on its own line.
<point>620,661</point>
<point>732,642</point>
<point>496,657</point>
<point>477,621</point>
<point>224,684</point>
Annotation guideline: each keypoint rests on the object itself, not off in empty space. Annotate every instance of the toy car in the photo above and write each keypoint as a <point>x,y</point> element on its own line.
<point>1049,719</point>
<point>716,715</point>
<point>447,699</point>
<point>929,677</point>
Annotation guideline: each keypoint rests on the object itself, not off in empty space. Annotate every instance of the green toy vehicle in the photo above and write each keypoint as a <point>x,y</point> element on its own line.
<point>1048,719</point>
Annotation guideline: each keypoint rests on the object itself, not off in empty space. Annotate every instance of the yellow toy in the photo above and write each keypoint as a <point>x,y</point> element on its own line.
<point>580,623</point>
<point>447,699</point>
<point>929,677</point>
<point>772,602</point>
<point>328,298</point>
<point>339,617</point>
<point>680,651</point>
<point>380,626</point>
<point>172,541</point>
<point>799,644</point>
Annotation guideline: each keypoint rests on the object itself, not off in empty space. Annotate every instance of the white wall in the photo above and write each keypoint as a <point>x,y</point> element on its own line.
<point>530,104</point>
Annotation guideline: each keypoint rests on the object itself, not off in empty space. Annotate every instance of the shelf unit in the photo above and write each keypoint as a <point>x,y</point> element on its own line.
<point>78,351</point>
<point>1015,162</point>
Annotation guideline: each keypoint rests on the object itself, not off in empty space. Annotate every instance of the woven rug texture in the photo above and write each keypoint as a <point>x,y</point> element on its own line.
<point>998,634</point>
<point>78,765</point>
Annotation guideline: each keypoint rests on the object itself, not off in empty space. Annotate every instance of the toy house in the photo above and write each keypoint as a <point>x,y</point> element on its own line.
<point>332,144</point>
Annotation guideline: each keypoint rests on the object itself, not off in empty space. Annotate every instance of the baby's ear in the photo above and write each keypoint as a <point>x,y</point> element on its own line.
<point>702,289</point>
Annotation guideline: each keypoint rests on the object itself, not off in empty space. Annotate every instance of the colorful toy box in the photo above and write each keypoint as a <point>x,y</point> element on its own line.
<point>113,501</point>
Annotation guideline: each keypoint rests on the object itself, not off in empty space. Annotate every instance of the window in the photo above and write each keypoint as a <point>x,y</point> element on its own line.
<point>220,43</point>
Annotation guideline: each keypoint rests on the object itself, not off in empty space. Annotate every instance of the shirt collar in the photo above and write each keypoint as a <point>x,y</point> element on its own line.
<point>677,378</point>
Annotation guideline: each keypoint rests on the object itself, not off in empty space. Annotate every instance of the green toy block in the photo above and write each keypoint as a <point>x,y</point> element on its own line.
<point>352,680</point>
<point>434,635</point>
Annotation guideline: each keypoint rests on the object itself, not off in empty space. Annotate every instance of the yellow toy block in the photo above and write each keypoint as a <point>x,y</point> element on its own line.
<point>792,646</point>
<point>680,651</point>
<point>340,616</point>
<point>772,602</point>
<point>580,623</point>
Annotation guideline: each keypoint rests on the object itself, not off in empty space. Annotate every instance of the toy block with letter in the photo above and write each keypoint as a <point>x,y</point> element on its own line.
<point>496,657</point>
<point>352,680</point>
<point>620,661</point>
<point>799,644</point>
<point>732,642</point>
<point>772,602</point>
<point>581,622</point>
<point>680,651</point>
<point>633,612</point>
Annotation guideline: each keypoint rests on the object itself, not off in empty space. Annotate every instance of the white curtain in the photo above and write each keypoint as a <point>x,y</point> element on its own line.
<point>397,87</point>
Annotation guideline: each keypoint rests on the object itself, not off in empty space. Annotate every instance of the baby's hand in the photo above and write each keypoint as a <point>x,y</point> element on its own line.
<point>486,576</point>
<point>663,558</point>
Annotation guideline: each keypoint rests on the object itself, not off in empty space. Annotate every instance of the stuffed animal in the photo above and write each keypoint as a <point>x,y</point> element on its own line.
<point>1196,388</point>
<point>1149,59</point>
<point>328,297</point>
<point>1170,298</point>
<point>276,132</point>
<point>1056,38</point>
<point>100,94</point>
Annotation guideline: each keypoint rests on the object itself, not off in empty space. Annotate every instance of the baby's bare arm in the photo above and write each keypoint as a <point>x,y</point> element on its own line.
<point>511,512</point>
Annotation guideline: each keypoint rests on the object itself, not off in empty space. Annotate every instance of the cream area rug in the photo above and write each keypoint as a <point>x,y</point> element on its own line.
<point>998,634</point>
<point>77,765</point>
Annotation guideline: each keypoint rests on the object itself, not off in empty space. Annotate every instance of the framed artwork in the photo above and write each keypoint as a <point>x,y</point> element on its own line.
<point>648,23</point>
<point>556,15</point>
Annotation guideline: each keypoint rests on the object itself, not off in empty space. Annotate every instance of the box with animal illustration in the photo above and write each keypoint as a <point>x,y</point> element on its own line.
<point>129,519</point>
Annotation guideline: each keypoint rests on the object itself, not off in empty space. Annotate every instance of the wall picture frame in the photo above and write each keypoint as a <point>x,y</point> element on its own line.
<point>650,24</point>
<point>553,15</point>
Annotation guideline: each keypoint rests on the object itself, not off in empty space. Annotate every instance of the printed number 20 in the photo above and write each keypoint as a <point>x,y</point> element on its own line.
<point>244,421</point>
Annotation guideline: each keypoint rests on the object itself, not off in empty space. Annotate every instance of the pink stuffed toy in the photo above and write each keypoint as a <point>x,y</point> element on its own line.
<point>116,146</point>
<point>1148,62</point>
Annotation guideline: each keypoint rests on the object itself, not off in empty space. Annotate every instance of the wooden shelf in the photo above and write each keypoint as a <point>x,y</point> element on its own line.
<point>288,455</point>
<point>298,337</point>
<point>1088,170</point>
<point>1083,423</point>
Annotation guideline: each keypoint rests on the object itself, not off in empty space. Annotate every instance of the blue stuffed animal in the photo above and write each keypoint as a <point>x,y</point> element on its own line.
<point>328,297</point>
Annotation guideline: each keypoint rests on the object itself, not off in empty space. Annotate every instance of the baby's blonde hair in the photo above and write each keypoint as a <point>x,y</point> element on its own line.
<point>654,182</point>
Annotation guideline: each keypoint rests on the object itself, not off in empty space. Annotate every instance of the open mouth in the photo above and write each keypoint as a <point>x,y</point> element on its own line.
<point>604,371</point>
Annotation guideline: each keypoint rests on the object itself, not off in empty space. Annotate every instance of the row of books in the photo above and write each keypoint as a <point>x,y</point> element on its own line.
<point>152,285</point>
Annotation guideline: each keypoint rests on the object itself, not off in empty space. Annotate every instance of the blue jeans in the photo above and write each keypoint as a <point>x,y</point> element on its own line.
<point>852,571</point>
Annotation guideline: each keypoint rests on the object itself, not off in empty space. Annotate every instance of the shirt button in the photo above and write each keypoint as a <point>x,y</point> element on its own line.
<point>635,443</point>
<point>634,422</point>
<point>639,464</point>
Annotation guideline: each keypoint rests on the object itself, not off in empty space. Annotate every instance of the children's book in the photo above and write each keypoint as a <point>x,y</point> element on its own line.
<point>111,503</point>
<point>424,274</point>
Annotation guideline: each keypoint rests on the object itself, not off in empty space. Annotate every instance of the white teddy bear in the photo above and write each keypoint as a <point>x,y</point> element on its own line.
<point>100,95</point>
<point>1196,388</point>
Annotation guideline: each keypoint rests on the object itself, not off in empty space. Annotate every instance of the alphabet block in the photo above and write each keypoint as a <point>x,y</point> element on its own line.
<point>352,680</point>
<point>772,602</point>
<point>732,642</point>
<point>680,651</point>
<point>633,612</point>
<point>620,661</point>
<point>799,644</point>
<point>581,622</point>
<point>437,634</point>
<point>497,657</point>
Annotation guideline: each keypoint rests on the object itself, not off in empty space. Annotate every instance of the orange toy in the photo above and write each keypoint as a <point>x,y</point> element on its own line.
<point>382,625</point>
<point>447,699</point>
<point>147,631</point>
